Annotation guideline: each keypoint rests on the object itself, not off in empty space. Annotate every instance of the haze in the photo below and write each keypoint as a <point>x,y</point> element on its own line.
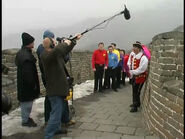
<point>28,15</point>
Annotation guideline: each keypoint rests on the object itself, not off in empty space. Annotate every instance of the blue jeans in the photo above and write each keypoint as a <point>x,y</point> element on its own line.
<point>26,108</point>
<point>54,123</point>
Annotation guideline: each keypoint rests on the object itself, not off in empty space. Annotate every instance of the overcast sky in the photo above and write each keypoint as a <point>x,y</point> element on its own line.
<point>21,15</point>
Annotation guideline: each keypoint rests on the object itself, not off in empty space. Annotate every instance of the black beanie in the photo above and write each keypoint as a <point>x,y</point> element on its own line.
<point>27,39</point>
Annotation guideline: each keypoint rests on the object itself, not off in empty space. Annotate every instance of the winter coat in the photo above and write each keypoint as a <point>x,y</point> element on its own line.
<point>53,65</point>
<point>40,49</point>
<point>28,87</point>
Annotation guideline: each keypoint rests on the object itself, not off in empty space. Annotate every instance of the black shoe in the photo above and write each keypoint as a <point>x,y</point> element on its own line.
<point>132,105</point>
<point>115,90</point>
<point>63,131</point>
<point>30,123</point>
<point>133,109</point>
<point>95,91</point>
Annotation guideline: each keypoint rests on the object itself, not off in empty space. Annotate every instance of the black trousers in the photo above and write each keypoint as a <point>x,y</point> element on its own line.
<point>118,76</point>
<point>110,74</point>
<point>136,90</point>
<point>123,76</point>
<point>98,77</point>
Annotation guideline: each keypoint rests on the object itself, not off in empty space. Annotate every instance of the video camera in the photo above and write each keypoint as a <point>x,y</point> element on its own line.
<point>60,39</point>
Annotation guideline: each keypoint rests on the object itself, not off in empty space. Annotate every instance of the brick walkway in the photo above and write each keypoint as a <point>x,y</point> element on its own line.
<point>102,116</point>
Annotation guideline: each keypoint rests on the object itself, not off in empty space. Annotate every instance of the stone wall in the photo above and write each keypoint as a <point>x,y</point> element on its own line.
<point>163,93</point>
<point>81,71</point>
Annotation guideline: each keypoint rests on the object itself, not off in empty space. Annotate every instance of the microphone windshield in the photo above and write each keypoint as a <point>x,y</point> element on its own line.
<point>126,13</point>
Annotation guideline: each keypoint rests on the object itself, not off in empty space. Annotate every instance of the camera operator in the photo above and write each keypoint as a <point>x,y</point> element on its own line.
<point>57,87</point>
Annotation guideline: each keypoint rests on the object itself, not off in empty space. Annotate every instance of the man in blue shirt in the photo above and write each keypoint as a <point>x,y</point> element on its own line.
<point>111,70</point>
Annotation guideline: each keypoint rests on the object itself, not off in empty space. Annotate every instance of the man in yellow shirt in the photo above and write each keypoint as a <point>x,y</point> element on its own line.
<point>115,51</point>
<point>116,70</point>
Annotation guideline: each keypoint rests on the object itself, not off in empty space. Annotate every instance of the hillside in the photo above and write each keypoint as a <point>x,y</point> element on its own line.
<point>123,32</point>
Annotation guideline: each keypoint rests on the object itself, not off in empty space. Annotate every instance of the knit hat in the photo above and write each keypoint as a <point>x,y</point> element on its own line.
<point>48,34</point>
<point>27,39</point>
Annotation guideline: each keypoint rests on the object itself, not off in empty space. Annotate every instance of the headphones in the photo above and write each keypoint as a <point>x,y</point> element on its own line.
<point>52,43</point>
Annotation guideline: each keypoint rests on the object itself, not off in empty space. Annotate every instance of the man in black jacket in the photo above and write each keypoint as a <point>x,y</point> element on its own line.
<point>28,87</point>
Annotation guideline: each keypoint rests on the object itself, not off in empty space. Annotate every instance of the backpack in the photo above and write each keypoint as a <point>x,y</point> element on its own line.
<point>146,52</point>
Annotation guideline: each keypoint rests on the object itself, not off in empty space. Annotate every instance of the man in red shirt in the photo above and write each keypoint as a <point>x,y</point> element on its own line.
<point>99,63</point>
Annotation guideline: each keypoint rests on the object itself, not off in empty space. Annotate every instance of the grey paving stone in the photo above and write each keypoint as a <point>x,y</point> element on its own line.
<point>120,122</point>
<point>74,132</point>
<point>120,118</point>
<point>86,137</point>
<point>89,126</point>
<point>102,116</point>
<point>107,135</point>
<point>152,137</point>
<point>137,123</point>
<point>108,128</point>
<point>132,137</point>
<point>90,134</point>
<point>103,121</point>
<point>87,119</point>
<point>142,132</point>
<point>125,130</point>
<point>66,138</point>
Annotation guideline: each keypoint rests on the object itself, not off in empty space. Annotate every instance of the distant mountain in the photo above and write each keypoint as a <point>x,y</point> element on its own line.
<point>141,27</point>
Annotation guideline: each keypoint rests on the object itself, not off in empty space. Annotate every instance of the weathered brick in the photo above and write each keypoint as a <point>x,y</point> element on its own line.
<point>165,78</point>
<point>166,60</point>
<point>164,131</point>
<point>156,82</point>
<point>174,123</point>
<point>169,54</point>
<point>158,90</point>
<point>171,97</point>
<point>167,47</point>
<point>180,47</point>
<point>179,61</point>
<point>165,73</point>
<point>156,117</point>
<point>161,106</point>
<point>178,117</point>
<point>173,131</point>
<point>180,101</point>
<point>168,66</point>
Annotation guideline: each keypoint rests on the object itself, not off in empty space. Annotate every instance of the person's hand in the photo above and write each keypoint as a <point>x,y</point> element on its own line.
<point>131,74</point>
<point>94,69</point>
<point>67,41</point>
<point>105,67</point>
<point>78,36</point>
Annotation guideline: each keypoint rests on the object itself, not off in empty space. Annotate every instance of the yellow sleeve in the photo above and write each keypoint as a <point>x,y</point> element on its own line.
<point>117,53</point>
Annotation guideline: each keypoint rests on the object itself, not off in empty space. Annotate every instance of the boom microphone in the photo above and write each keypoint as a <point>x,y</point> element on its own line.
<point>126,13</point>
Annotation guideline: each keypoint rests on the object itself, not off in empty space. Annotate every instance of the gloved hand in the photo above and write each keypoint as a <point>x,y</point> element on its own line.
<point>70,95</point>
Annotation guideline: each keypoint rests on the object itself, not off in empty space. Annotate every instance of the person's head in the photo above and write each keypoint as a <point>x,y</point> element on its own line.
<point>110,48</point>
<point>48,34</point>
<point>113,45</point>
<point>27,41</point>
<point>47,42</point>
<point>101,46</point>
<point>137,47</point>
<point>51,35</point>
<point>122,52</point>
